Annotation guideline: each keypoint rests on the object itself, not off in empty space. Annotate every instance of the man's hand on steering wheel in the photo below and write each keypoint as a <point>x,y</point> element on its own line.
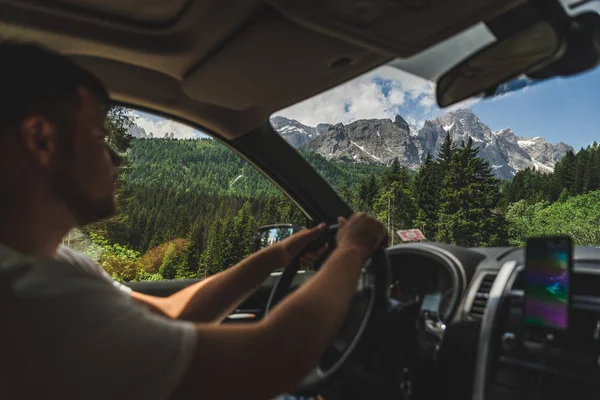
<point>292,246</point>
<point>348,292</point>
<point>362,232</point>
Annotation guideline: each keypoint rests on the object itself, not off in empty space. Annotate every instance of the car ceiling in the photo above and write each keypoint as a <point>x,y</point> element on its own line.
<point>226,65</point>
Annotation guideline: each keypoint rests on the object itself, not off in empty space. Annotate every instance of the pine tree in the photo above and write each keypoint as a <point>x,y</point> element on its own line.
<point>118,122</point>
<point>447,151</point>
<point>530,185</point>
<point>594,178</point>
<point>395,204</point>
<point>347,195</point>
<point>564,196</point>
<point>244,228</point>
<point>290,213</point>
<point>564,176</point>
<point>270,213</point>
<point>196,244</point>
<point>168,267</point>
<point>468,213</point>
<point>426,188</point>
<point>515,190</point>
<point>582,172</point>
<point>228,254</point>
<point>391,174</point>
<point>367,192</point>
<point>211,260</point>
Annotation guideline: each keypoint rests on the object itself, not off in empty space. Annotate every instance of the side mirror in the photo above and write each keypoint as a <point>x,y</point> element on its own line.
<point>270,234</point>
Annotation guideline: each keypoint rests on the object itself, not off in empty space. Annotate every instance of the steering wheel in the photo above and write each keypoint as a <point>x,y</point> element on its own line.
<point>370,299</point>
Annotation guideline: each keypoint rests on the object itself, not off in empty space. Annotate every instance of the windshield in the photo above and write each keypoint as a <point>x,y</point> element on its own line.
<point>487,172</point>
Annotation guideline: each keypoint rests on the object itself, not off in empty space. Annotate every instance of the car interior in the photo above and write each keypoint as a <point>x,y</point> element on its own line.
<point>430,321</point>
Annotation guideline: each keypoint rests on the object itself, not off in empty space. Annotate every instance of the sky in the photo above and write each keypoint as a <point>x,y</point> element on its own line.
<point>561,109</point>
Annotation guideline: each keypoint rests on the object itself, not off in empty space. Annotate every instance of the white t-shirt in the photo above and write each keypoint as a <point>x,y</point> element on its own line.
<point>69,331</point>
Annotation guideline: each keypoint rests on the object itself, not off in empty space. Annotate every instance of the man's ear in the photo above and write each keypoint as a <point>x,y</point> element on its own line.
<point>40,138</point>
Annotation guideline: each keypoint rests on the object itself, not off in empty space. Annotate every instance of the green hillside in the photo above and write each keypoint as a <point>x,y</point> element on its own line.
<point>209,167</point>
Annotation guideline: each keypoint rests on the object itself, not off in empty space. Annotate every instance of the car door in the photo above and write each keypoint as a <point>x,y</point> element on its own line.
<point>189,207</point>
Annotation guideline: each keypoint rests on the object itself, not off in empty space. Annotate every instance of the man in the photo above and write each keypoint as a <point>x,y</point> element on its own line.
<point>69,331</point>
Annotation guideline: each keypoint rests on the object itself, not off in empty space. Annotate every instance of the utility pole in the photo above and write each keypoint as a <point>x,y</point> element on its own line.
<point>390,218</point>
<point>392,221</point>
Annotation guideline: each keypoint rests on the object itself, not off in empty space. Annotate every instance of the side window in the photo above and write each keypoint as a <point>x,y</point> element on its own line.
<point>188,206</point>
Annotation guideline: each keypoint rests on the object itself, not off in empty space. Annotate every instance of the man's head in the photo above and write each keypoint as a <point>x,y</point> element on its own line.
<point>52,133</point>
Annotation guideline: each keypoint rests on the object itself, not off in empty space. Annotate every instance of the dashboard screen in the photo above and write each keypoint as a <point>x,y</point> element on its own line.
<point>547,267</point>
<point>423,281</point>
<point>431,303</point>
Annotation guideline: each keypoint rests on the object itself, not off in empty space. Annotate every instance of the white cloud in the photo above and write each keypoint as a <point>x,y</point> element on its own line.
<point>396,96</point>
<point>467,103</point>
<point>427,102</point>
<point>418,120</point>
<point>160,126</point>
<point>361,98</point>
<point>364,97</point>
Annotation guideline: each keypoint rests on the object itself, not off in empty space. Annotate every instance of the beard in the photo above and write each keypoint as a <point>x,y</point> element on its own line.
<point>87,210</point>
<point>73,183</point>
<point>84,208</point>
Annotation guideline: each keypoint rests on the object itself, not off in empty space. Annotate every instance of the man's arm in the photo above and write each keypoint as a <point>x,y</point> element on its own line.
<point>212,299</point>
<point>259,361</point>
<point>101,337</point>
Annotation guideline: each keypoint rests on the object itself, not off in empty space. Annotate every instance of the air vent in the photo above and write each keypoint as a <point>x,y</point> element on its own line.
<point>481,298</point>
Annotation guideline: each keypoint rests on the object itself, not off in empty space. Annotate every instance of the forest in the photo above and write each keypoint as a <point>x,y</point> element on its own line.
<point>190,208</point>
<point>564,202</point>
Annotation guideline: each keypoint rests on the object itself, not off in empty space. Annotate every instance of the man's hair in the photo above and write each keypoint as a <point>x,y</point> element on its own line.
<point>37,81</point>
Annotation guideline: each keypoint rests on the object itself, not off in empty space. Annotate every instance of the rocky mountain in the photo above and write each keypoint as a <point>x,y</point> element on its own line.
<point>294,132</point>
<point>506,152</point>
<point>542,151</point>
<point>383,140</point>
<point>369,141</point>
<point>139,132</point>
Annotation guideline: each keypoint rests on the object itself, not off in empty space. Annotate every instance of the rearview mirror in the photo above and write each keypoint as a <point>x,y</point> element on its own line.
<point>270,234</point>
<point>525,51</point>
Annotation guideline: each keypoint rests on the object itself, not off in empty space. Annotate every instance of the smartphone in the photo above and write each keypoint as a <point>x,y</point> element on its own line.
<point>548,267</point>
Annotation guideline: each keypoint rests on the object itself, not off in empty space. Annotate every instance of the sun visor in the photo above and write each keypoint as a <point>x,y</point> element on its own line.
<point>274,63</point>
<point>402,28</point>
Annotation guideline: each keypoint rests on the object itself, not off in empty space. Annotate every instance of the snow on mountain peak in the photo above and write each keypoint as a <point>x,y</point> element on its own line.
<point>383,140</point>
<point>293,131</point>
<point>414,131</point>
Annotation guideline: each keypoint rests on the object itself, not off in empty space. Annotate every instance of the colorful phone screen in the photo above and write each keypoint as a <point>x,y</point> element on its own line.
<point>547,266</point>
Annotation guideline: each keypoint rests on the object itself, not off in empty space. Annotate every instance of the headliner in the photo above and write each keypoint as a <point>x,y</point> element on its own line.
<point>226,65</point>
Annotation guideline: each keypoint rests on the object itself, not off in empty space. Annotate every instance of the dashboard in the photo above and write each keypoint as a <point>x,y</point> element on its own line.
<point>484,352</point>
<point>468,305</point>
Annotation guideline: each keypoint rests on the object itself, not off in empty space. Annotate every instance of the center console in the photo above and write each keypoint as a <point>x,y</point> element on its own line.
<point>514,363</point>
